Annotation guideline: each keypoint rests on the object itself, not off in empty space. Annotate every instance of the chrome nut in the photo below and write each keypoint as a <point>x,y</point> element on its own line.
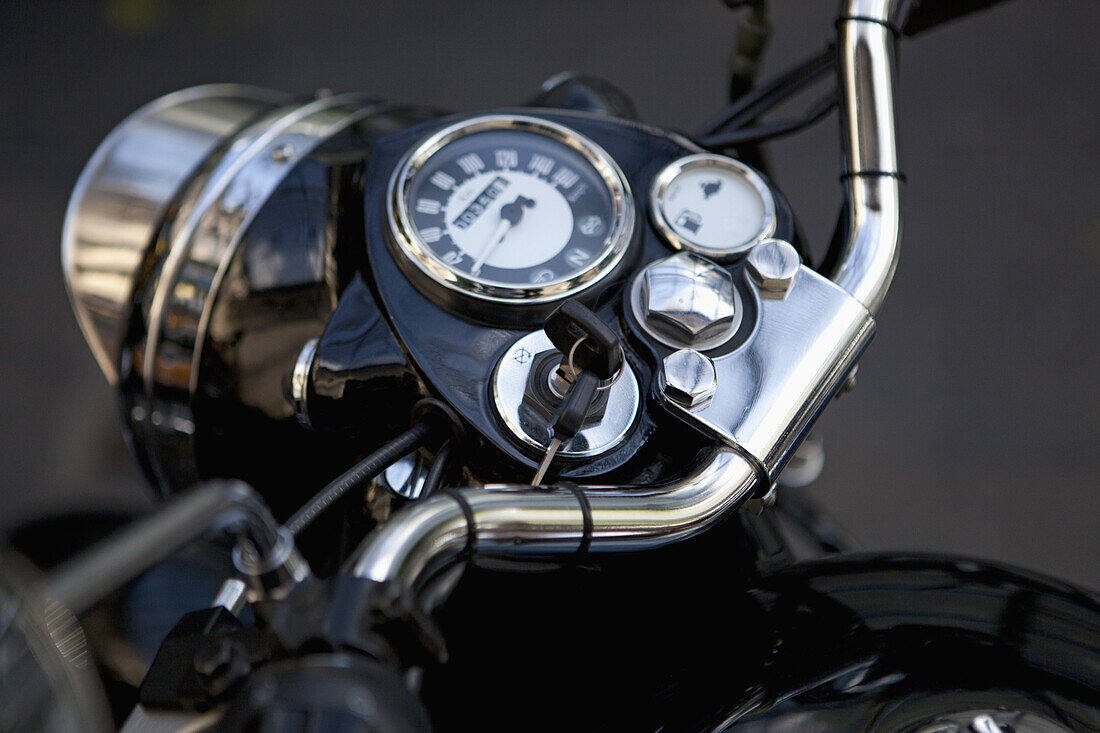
<point>773,264</point>
<point>689,298</point>
<point>689,378</point>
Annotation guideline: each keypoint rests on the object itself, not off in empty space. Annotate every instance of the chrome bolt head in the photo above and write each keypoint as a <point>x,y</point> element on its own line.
<point>282,153</point>
<point>689,298</point>
<point>984,724</point>
<point>773,264</point>
<point>689,378</point>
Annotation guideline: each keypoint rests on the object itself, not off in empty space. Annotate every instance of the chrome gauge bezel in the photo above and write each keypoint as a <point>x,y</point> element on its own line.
<point>664,179</point>
<point>411,249</point>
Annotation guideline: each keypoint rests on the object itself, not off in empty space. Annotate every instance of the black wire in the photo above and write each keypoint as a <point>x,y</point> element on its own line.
<point>752,105</point>
<point>359,474</point>
<point>434,479</point>
<point>817,111</point>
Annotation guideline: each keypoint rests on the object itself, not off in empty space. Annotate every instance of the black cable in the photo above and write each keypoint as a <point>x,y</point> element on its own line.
<point>361,473</point>
<point>754,104</point>
<point>471,523</point>
<point>769,130</point>
<point>434,479</point>
<point>587,524</point>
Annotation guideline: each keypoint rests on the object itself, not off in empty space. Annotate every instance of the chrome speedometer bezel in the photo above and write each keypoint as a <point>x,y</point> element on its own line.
<point>673,170</point>
<point>417,260</point>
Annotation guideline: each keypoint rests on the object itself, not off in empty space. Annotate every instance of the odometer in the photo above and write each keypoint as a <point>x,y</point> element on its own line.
<point>510,208</point>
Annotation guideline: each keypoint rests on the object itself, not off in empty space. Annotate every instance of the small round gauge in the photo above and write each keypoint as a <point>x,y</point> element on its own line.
<point>712,205</point>
<point>510,208</point>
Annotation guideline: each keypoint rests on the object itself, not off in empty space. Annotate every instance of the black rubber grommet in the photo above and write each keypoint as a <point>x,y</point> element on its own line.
<point>440,413</point>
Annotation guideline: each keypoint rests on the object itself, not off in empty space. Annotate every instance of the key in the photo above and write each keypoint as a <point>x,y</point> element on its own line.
<point>569,418</point>
<point>591,354</point>
<point>597,347</point>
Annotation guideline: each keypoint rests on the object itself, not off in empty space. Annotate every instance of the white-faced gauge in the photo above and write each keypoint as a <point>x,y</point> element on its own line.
<point>713,205</point>
<point>509,208</point>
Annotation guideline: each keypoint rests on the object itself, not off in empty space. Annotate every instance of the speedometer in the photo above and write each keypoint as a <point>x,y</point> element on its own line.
<point>510,208</point>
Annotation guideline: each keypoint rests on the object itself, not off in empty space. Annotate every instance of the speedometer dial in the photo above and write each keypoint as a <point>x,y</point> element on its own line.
<point>510,208</point>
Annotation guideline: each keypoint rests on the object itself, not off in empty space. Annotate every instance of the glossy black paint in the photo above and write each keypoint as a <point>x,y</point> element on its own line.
<point>853,643</point>
<point>360,374</point>
<point>455,343</point>
<point>755,642</point>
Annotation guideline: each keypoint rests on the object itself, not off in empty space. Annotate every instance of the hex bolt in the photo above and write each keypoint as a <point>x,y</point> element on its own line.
<point>689,299</point>
<point>689,377</point>
<point>772,265</point>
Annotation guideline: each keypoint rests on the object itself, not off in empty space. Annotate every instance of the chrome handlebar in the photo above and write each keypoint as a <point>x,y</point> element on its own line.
<point>526,521</point>
<point>870,251</point>
<point>515,520</point>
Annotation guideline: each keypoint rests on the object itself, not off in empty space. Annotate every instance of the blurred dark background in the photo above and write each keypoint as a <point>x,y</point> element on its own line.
<point>974,426</point>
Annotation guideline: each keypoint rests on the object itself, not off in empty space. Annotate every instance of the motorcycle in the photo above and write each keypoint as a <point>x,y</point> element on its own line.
<point>565,360</point>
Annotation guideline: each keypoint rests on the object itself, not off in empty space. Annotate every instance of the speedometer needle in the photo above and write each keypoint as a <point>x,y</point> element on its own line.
<point>510,215</point>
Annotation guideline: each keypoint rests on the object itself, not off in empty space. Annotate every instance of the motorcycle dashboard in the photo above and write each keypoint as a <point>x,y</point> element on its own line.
<point>478,226</point>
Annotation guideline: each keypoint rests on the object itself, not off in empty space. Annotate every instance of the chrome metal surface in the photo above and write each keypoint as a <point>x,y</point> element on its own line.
<point>299,382</point>
<point>126,189</point>
<point>869,252</point>
<point>688,302</point>
<point>984,724</point>
<point>232,596</point>
<point>510,384</point>
<point>659,190</point>
<point>772,388</point>
<point>688,378</point>
<point>689,298</point>
<point>406,477</point>
<point>519,520</point>
<point>772,265</point>
<point>411,250</point>
<point>882,10</point>
<point>561,379</point>
<point>246,271</point>
<point>273,573</point>
<point>144,720</point>
<point>203,244</point>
